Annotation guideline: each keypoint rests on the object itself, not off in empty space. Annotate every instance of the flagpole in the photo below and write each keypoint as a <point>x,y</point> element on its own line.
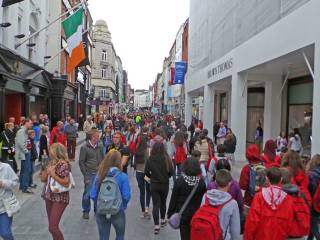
<point>51,59</point>
<point>48,25</point>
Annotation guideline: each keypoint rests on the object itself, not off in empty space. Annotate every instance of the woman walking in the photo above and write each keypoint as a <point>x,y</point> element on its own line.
<point>230,144</point>
<point>58,169</point>
<point>44,149</point>
<point>203,146</point>
<point>110,167</point>
<point>8,180</point>
<point>182,189</point>
<point>159,169</point>
<point>141,157</point>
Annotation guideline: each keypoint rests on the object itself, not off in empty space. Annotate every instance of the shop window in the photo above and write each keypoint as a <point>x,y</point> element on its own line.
<point>104,55</point>
<point>223,107</point>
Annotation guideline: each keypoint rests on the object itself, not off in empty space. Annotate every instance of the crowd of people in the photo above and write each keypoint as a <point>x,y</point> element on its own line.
<point>276,197</point>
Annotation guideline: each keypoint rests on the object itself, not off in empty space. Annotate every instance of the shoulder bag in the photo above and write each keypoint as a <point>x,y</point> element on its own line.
<point>56,187</point>
<point>11,205</point>
<point>175,219</point>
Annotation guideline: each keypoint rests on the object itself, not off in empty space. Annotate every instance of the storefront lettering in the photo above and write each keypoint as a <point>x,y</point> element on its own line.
<point>220,68</point>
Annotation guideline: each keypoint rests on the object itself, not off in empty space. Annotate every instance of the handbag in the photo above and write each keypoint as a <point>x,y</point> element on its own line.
<point>56,187</point>
<point>175,219</point>
<point>11,205</point>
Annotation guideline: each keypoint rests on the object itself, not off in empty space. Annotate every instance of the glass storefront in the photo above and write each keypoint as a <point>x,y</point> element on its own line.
<point>300,99</point>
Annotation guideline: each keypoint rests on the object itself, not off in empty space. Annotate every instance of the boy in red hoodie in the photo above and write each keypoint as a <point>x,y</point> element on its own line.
<point>271,215</point>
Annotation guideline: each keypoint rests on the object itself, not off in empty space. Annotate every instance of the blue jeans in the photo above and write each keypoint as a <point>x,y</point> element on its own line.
<point>5,227</point>
<point>314,227</point>
<point>26,172</point>
<point>144,189</point>
<point>86,201</point>
<point>104,225</point>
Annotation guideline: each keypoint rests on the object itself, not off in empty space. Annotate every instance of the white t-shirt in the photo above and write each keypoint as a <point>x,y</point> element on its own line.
<point>296,143</point>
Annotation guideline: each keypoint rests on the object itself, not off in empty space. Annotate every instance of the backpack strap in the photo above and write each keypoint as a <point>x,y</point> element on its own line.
<point>185,204</point>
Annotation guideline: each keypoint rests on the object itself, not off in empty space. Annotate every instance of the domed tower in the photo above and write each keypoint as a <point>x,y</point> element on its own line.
<point>103,67</point>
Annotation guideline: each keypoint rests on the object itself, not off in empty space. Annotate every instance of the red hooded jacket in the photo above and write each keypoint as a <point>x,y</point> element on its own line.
<point>253,156</point>
<point>270,216</point>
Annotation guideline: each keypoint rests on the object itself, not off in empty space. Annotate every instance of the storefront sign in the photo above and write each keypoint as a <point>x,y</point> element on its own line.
<point>220,68</point>
<point>180,72</point>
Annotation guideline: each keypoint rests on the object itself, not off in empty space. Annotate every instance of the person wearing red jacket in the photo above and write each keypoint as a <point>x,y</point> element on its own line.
<point>271,213</point>
<point>253,157</point>
<point>57,134</point>
<point>269,155</point>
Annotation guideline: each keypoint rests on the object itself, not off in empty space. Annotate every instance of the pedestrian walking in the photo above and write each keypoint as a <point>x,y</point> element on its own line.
<point>271,212</point>
<point>112,183</point>
<point>88,125</point>
<point>123,149</point>
<point>159,169</point>
<point>269,156</point>
<point>282,141</point>
<point>44,146</point>
<point>295,141</point>
<point>91,154</point>
<point>141,157</point>
<point>56,201</point>
<point>222,133</point>
<point>23,154</point>
<point>57,134</point>
<point>34,155</point>
<point>314,177</point>
<point>182,189</point>
<point>258,138</point>
<point>106,138</point>
<point>180,153</point>
<point>203,146</point>
<point>230,145</point>
<point>8,180</point>
<point>71,131</point>
<point>7,138</point>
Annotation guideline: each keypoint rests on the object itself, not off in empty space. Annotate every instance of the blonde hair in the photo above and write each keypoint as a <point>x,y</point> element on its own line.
<point>57,153</point>
<point>112,159</point>
<point>30,132</point>
<point>315,162</point>
<point>8,125</point>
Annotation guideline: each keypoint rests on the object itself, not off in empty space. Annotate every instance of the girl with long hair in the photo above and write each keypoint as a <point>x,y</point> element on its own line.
<point>59,169</point>
<point>111,167</point>
<point>269,155</point>
<point>159,169</point>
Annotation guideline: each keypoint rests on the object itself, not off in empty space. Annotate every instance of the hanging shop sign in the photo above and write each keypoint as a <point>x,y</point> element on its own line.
<point>180,72</point>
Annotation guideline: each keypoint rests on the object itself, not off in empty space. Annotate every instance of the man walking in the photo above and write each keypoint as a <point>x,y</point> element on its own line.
<point>23,153</point>
<point>71,131</point>
<point>91,154</point>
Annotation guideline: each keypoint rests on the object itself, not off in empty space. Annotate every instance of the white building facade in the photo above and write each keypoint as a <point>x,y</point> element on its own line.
<point>256,62</point>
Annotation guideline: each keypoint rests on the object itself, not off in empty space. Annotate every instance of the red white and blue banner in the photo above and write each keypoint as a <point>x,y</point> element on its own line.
<point>180,72</point>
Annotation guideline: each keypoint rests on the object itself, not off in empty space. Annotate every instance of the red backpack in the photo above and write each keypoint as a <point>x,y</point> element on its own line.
<point>180,155</point>
<point>316,200</point>
<point>301,221</point>
<point>205,223</point>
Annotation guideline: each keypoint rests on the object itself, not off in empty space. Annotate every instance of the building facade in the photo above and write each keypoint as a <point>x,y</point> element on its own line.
<point>250,68</point>
<point>142,99</point>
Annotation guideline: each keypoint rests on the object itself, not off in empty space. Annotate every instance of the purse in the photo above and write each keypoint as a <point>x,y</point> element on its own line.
<point>56,187</point>
<point>175,219</point>
<point>11,205</point>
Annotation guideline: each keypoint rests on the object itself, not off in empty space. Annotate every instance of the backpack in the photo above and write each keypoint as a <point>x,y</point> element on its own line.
<point>316,200</point>
<point>109,200</point>
<point>205,223</point>
<point>257,177</point>
<point>180,155</point>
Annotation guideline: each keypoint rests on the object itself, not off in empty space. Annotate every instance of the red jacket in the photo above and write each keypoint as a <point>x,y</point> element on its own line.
<point>269,164</point>
<point>58,136</point>
<point>269,219</point>
<point>244,184</point>
<point>302,181</point>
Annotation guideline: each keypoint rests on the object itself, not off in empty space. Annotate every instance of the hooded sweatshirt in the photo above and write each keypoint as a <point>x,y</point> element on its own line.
<point>270,215</point>
<point>229,215</point>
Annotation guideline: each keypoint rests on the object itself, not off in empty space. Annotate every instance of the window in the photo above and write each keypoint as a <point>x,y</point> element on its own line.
<point>104,55</point>
<point>104,73</point>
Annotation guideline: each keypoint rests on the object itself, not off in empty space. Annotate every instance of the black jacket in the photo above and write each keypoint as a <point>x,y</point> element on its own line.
<point>230,145</point>
<point>43,145</point>
<point>180,193</point>
<point>158,170</point>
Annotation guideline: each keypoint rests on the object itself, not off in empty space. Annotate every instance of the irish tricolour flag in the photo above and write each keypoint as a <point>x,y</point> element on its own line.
<point>73,30</point>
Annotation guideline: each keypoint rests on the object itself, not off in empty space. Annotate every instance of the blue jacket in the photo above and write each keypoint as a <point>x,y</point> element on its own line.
<point>314,176</point>
<point>123,183</point>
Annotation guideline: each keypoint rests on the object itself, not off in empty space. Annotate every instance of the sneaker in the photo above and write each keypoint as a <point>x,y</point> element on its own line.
<point>156,230</point>
<point>85,215</point>
<point>163,223</point>
<point>27,191</point>
<point>33,186</point>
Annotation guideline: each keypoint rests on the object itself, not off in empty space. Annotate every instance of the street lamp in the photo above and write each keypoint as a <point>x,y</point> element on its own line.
<point>5,24</point>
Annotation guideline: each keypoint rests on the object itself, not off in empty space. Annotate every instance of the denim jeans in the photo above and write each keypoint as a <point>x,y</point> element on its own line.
<point>86,201</point>
<point>5,227</point>
<point>104,225</point>
<point>314,227</point>
<point>31,173</point>
<point>25,173</point>
<point>144,189</point>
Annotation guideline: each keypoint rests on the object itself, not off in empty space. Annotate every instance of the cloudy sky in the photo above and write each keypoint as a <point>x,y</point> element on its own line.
<point>142,31</point>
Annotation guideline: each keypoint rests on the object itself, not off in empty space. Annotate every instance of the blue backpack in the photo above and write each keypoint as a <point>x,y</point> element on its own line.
<point>109,200</point>
<point>257,177</point>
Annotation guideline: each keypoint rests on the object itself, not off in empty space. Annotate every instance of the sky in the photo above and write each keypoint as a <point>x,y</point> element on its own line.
<point>142,31</point>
